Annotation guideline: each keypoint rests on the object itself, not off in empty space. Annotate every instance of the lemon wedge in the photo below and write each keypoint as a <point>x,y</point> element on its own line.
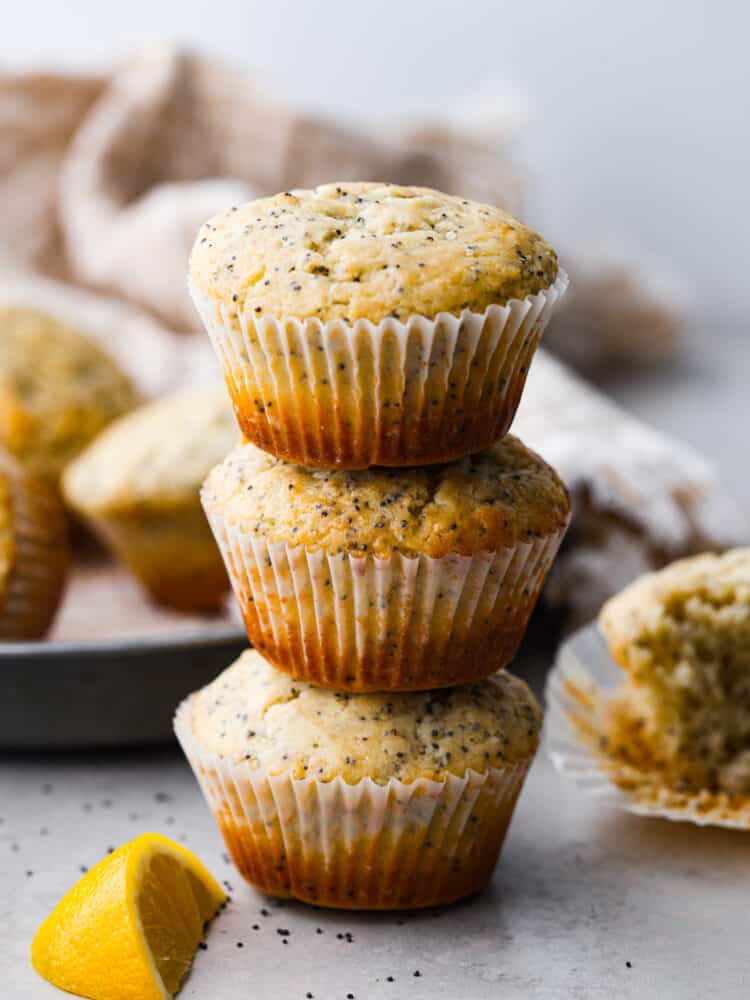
<point>129,929</point>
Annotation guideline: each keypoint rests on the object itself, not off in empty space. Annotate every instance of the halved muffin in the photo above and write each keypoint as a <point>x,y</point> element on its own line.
<point>683,637</point>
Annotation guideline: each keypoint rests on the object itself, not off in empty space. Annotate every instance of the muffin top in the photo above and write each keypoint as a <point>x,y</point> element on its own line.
<point>57,390</point>
<point>483,502</point>
<point>261,715</point>
<point>709,592</point>
<point>366,251</point>
<point>155,457</point>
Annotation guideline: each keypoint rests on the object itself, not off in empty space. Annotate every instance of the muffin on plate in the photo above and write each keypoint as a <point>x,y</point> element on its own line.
<point>369,801</point>
<point>387,579</point>
<point>138,486</point>
<point>58,389</point>
<point>682,635</point>
<point>369,324</point>
<point>34,552</point>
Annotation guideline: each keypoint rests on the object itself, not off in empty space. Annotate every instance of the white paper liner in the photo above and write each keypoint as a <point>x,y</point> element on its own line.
<point>583,677</point>
<point>388,393</point>
<point>40,561</point>
<point>357,846</point>
<point>360,623</point>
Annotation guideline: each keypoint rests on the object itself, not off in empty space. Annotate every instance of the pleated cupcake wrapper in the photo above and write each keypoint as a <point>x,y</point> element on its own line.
<point>357,846</point>
<point>40,561</point>
<point>360,623</point>
<point>583,678</point>
<point>389,393</point>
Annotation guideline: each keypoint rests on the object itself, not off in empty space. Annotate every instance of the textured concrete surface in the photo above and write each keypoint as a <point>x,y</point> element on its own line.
<point>587,903</point>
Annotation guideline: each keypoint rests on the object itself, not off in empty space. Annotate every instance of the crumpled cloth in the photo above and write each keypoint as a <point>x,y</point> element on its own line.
<point>105,179</point>
<point>640,498</point>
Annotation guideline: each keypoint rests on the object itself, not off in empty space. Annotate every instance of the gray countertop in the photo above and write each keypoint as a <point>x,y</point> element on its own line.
<point>587,902</point>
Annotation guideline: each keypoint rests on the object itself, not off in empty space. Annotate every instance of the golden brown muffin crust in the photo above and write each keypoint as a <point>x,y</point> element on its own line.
<point>353,251</point>
<point>155,457</point>
<point>644,611</point>
<point>58,389</point>
<point>255,713</point>
<point>481,503</point>
<point>683,637</point>
<point>7,547</point>
<point>34,552</point>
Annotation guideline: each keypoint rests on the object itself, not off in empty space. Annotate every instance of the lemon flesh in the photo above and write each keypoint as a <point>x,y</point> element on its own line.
<point>129,929</point>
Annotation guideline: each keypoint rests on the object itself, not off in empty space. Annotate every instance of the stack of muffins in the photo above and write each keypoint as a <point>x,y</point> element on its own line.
<point>385,540</point>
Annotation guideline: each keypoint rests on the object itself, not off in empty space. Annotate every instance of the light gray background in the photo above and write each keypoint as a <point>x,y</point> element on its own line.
<point>637,112</point>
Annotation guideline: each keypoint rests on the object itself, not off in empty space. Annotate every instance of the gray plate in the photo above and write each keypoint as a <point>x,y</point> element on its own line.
<point>109,692</point>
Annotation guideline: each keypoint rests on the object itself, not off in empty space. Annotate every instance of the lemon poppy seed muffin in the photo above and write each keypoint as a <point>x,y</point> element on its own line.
<point>368,251</point>
<point>34,555</point>
<point>138,486</point>
<point>255,713</point>
<point>58,389</point>
<point>305,783</point>
<point>388,579</point>
<point>365,323</point>
<point>489,500</point>
<point>682,635</point>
